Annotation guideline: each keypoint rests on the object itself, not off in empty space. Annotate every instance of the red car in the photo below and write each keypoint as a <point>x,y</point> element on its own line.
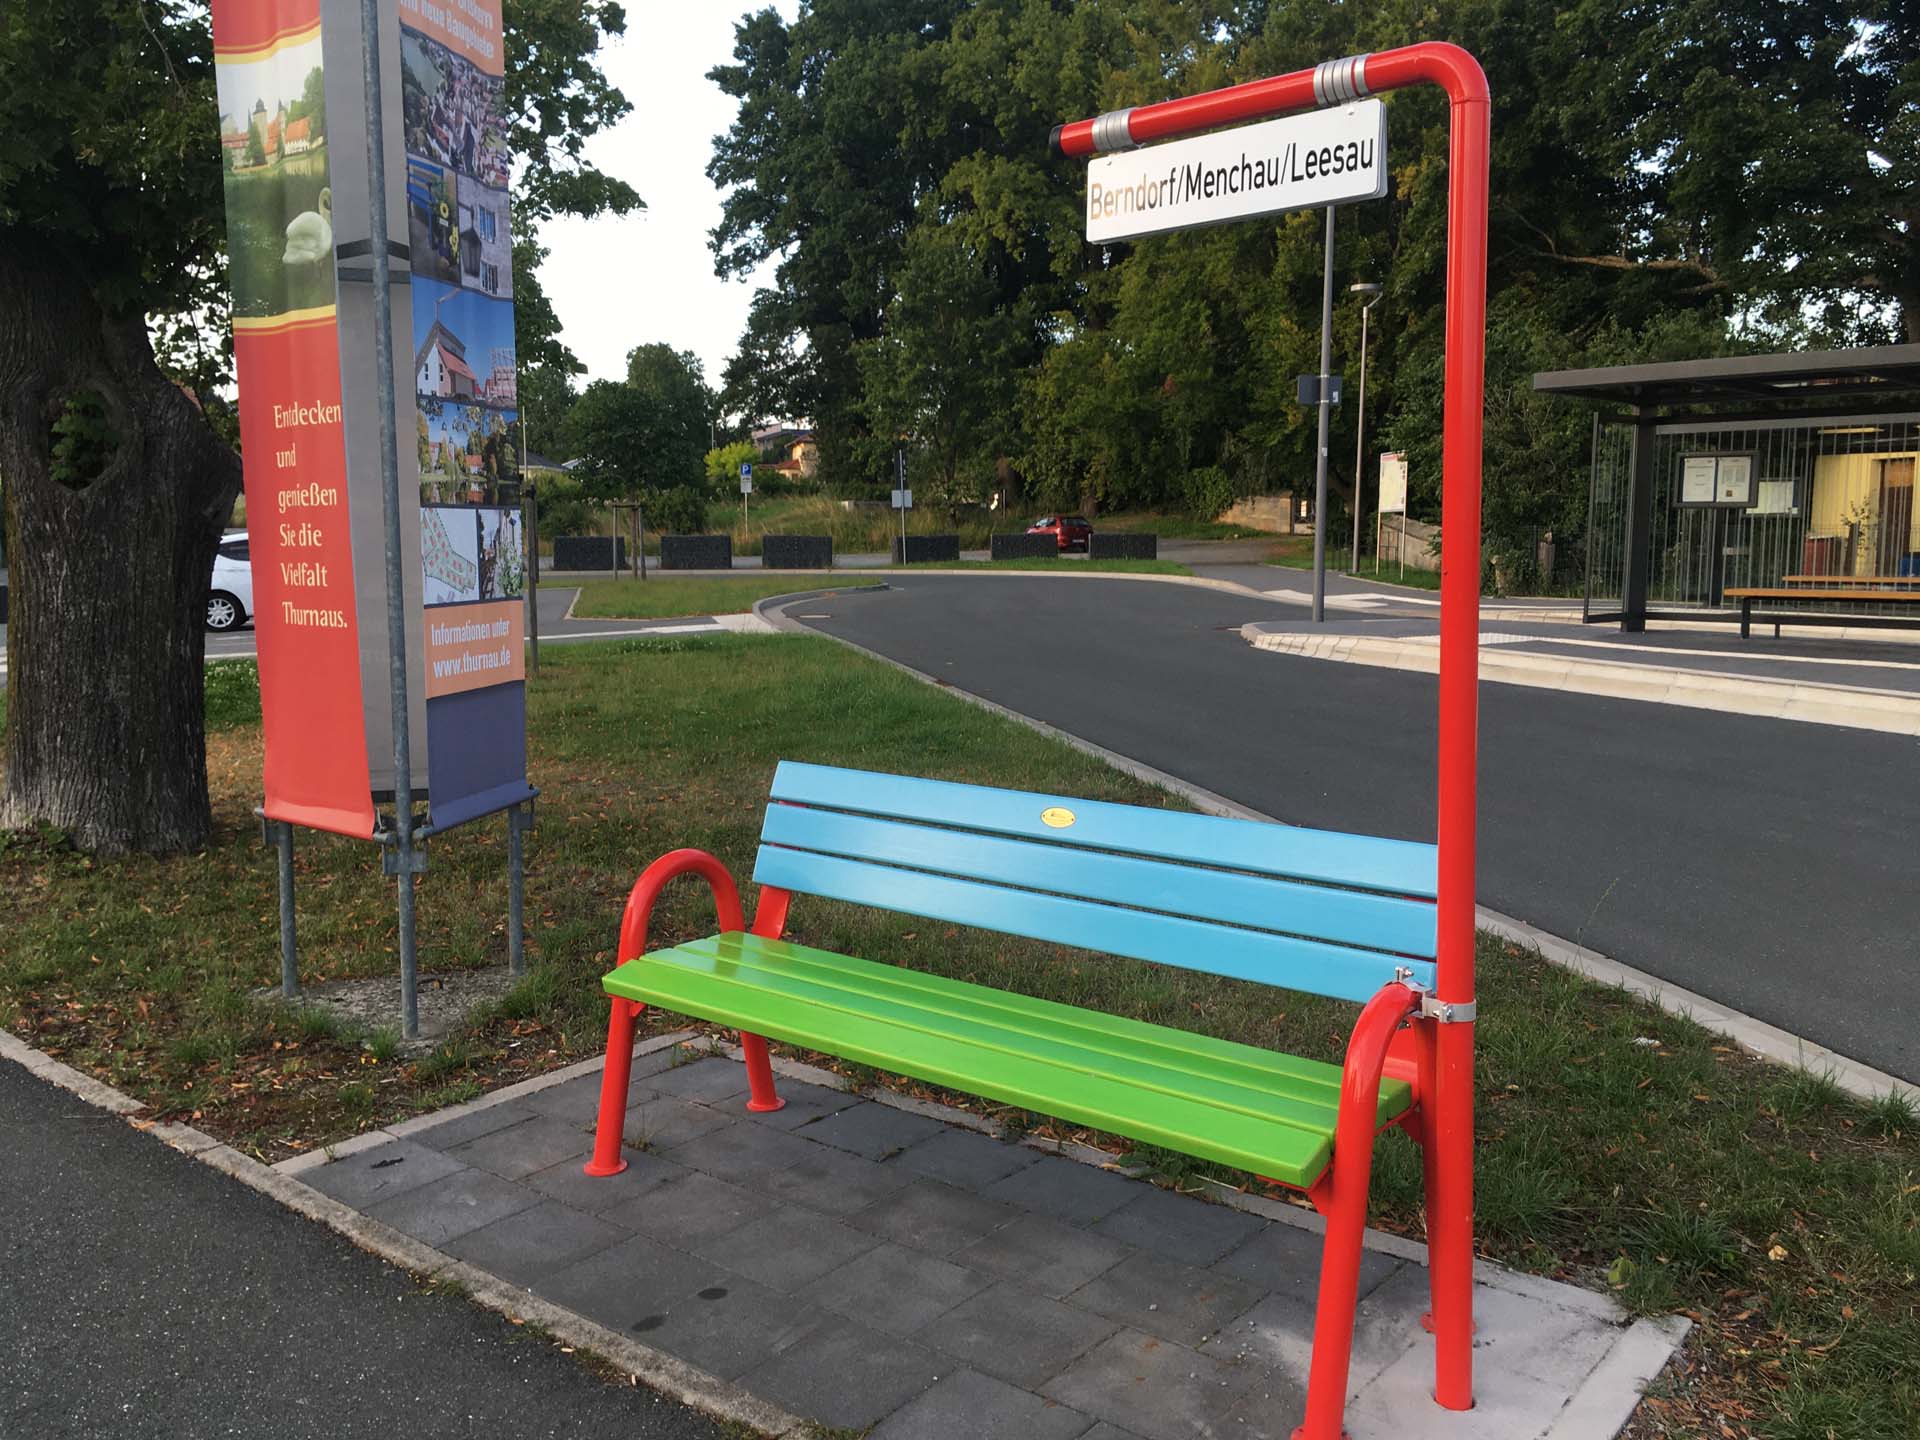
<point>1070,532</point>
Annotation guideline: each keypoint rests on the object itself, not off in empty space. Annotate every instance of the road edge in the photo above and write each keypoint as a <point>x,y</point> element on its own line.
<point>1754,1035</point>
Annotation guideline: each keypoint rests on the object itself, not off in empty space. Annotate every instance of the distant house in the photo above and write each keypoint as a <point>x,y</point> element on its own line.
<point>233,135</point>
<point>788,449</point>
<point>299,136</point>
<point>440,366</point>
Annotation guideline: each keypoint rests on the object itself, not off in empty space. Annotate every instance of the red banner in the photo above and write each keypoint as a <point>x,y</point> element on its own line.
<point>287,362</point>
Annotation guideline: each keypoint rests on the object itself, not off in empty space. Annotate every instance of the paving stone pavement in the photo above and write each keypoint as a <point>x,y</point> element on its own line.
<point>868,1266</point>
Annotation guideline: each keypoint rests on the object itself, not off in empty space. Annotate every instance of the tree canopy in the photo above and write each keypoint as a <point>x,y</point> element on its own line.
<point>644,439</point>
<point>1694,177</point>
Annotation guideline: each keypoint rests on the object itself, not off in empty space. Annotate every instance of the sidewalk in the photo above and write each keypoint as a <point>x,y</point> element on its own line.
<point>862,1262</point>
<point>1861,685</point>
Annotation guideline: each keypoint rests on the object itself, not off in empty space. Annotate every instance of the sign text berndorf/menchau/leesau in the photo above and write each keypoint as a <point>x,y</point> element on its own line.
<point>1324,157</point>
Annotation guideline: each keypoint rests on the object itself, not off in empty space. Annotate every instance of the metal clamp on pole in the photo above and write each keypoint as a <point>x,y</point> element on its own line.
<point>1445,1012</point>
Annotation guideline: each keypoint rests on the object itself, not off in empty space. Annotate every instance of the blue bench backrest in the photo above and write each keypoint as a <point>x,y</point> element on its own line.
<point>1311,910</point>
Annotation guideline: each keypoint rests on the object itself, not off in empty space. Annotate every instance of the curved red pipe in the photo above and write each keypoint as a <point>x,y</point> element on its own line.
<point>1447,1095</point>
<point>655,878</point>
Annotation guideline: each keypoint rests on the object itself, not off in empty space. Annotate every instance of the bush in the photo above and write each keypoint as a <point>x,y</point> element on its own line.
<point>1206,492</point>
<point>679,511</point>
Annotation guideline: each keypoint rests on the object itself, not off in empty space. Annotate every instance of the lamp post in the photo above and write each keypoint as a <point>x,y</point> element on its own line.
<point>1370,288</point>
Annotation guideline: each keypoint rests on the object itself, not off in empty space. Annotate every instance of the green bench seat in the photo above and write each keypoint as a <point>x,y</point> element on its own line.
<point>1244,1107</point>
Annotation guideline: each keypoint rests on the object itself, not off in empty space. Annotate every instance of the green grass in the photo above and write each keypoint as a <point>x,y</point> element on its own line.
<point>1782,1214</point>
<point>658,597</point>
<point>1064,565</point>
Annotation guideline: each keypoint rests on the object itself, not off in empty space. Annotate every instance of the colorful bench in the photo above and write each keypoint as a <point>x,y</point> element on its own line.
<point>1341,915</point>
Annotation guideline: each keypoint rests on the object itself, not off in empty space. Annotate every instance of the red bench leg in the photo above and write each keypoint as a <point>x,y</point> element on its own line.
<point>761,1095</point>
<point>1345,1206</point>
<point>613,1091</point>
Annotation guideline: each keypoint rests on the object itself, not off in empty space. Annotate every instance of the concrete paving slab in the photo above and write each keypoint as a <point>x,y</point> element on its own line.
<point>689,1207</point>
<point>961,1158</point>
<point>981,1408</point>
<point>805,1104</point>
<point>1016,1335</point>
<point>787,1248</point>
<point>471,1126</point>
<point>1161,1390</point>
<point>568,1181</point>
<point>519,1150</point>
<point>728,1325</point>
<point>877,1132</point>
<point>934,1217</point>
<point>1175,1302</point>
<point>368,1177</point>
<point>665,1121</point>
<point>535,1242</point>
<point>844,1374</point>
<point>1286,1258</point>
<point>623,1285</point>
<point>1045,1255</point>
<point>1174,1227</point>
<point>895,1289</point>
<point>835,1182</point>
<point>1078,1194</point>
<point>711,1080</point>
<point>743,1154</point>
<point>579,1099</point>
<point>445,1209</point>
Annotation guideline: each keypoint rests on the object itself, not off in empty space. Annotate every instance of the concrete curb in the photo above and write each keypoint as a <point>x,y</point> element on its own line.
<point>1757,1036</point>
<point>657,1370</point>
<point>771,611</point>
<point>1893,712</point>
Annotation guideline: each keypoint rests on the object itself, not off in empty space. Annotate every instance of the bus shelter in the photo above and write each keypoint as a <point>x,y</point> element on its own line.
<point>1744,472</point>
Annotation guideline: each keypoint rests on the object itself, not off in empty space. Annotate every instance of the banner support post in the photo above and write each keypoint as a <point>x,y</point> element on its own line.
<point>378,242</point>
<point>519,820</point>
<point>289,955</point>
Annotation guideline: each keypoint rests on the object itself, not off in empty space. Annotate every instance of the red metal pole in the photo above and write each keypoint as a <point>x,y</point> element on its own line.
<point>1449,1103</point>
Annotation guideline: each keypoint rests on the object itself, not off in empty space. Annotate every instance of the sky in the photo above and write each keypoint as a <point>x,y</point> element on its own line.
<point>620,282</point>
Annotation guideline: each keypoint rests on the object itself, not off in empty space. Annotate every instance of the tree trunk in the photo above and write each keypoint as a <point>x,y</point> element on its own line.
<point>109,572</point>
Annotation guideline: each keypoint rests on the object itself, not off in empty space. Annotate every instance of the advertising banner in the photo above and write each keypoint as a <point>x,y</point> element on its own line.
<point>294,142</point>
<point>274,155</point>
<point>472,546</point>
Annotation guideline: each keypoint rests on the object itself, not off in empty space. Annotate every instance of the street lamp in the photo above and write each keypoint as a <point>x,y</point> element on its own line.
<point>1370,288</point>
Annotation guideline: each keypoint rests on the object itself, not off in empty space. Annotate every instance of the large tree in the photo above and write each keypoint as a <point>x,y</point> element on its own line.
<point>117,477</point>
<point>644,440</point>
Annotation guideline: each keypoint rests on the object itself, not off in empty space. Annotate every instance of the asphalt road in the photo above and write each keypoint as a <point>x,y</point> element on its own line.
<point>144,1294</point>
<point>1769,865</point>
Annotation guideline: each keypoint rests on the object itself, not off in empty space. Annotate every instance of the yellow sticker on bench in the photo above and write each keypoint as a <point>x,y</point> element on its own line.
<point>1057,816</point>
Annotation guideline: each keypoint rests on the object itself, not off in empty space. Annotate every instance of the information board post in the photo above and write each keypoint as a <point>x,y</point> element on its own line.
<point>403,857</point>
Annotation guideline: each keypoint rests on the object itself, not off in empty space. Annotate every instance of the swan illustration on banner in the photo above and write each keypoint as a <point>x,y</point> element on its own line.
<point>310,234</point>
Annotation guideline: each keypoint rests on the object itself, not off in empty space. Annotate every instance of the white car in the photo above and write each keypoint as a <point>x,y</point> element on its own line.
<point>230,601</point>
